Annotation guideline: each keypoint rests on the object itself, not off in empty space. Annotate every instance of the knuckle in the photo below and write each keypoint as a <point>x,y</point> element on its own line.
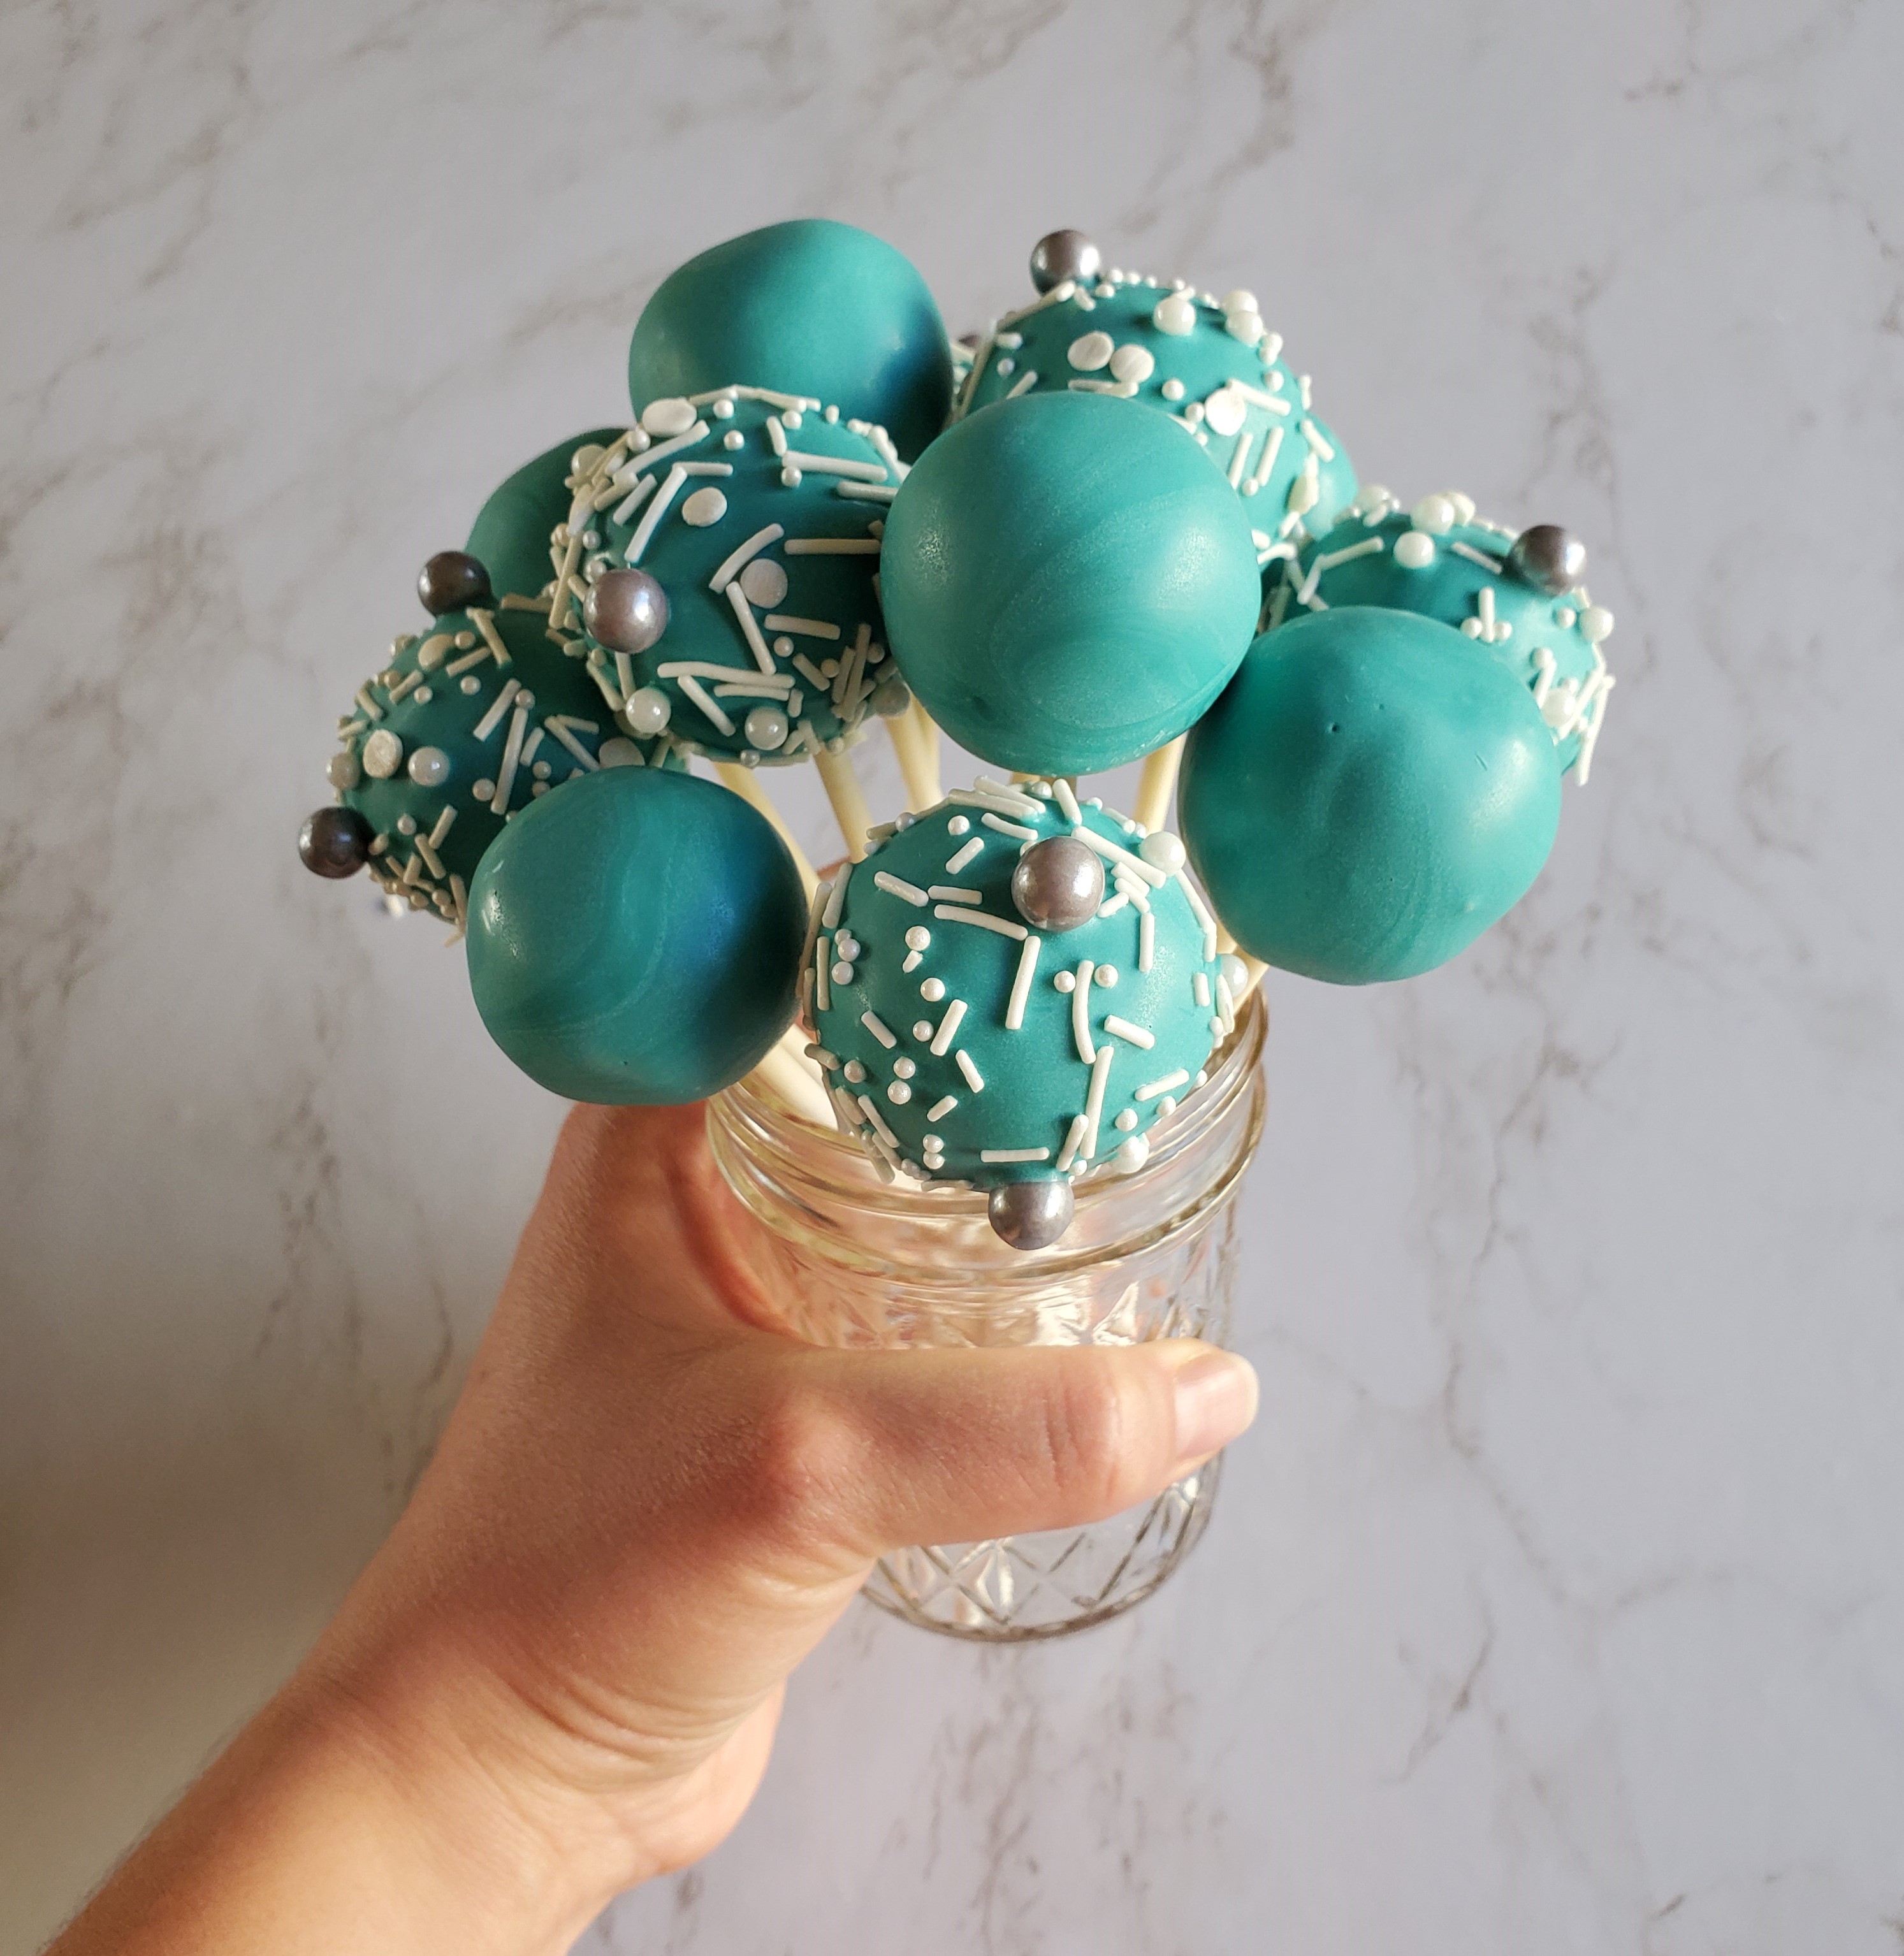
<point>1089,1427</point>
<point>804,1459</point>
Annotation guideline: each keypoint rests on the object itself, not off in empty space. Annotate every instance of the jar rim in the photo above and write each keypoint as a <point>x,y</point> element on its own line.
<point>759,1124</point>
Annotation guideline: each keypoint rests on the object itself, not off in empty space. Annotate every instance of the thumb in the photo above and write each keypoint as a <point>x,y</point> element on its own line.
<point>940,1446</point>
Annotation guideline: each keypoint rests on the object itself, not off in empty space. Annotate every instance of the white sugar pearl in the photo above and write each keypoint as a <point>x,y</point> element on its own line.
<point>1105,975</point>
<point>959,825</point>
<point>1176,315</point>
<point>1415,550</point>
<point>842,973</point>
<point>343,771</point>
<point>1434,514</point>
<point>1240,301</point>
<point>1247,326</point>
<point>1565,617</point>
<point>733,438</point>
<point>922,1029</point>
<point>918,938</point>
<point>1134,1153</point>
<point>1596,624</point>
<point>904,1068</point>
<point>765,728</point>
<point>471,683</point>
<point>1132,363</point>
<point>1224,411</point>
<point>483,790</point>
<point>671,414</point>
<point>1066,981</point>
<point>792,418</point>
<point>933,990</point>
<point>429,767</point>
<point>406,824</point>
<point>1006,365</point>
<point>764,583</point>
<point>383,754</point>
<point>1126,1121</point>
<point>1165,1107</point>
<point>855,1072</point>
<point>1463,505</point>
<point>703,507</point>
<point>723,409</point>
<point>783,648</point>
<point>898,1093</point>
<point>1174,390</point>
<point>647,709</point>
<point>1162,850</point>
<point>1089,351</point>
<point>1471,628</point>
<point>1236,974</point>
<point>617,752</point>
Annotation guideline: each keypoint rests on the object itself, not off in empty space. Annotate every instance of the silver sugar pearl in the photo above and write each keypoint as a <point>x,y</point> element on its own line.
<point>1060,255</point>
<point>1029,1215</point>
<point>626,610</point>
<point>1549,558</point>
<point>1058,883</point>
<point>335,842</point>
<point>452,581</point>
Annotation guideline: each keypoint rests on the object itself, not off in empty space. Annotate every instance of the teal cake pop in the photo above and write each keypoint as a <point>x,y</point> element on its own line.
<point>1209,363</point>
<point>717,573</point>
<point>510,535</point>
<point>464,725</point>
<point>1013,990</point>
<point>1068,583</point>
<point>636,939</point>
<point>1369,796</point>
<point>813,307</point>
<point>1519,595</point>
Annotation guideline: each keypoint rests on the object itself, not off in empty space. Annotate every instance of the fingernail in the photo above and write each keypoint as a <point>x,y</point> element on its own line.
<point>1216,1398</point>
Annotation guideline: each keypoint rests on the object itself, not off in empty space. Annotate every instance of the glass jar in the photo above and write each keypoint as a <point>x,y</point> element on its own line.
<point>856,1260</point>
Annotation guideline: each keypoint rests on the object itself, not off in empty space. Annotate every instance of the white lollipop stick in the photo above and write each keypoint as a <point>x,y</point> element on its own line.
<point>746,783</point>
<point>1156,784</point>
<point>843,790</point>
<point>788,1073</point>
<point>928,792</point>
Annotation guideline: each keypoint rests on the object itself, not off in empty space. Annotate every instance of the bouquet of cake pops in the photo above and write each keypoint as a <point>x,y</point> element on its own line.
<point>1112,528</point>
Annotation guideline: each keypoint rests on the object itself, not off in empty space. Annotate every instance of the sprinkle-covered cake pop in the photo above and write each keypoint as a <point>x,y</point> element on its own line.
<point>1011,991</point>
<point>1518,594</point>
<point>1369,796</point>
<point>717,573</point>
<point>464,724</point>
<point>636,938</point>
<point>811,306</point>
<point>1069,584</point>
<point>1210,363</point>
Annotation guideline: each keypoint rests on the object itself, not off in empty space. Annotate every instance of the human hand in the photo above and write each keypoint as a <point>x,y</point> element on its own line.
<point>560,1675</point>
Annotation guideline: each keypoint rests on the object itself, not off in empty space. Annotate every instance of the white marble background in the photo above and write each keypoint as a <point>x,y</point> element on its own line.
<point>1554,1605</point>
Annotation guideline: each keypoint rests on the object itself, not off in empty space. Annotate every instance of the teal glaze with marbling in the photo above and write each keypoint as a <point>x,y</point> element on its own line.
<point>811,306</point>
<point>800,494</point>
<point>636,939</point>
<point>443,692</point>
<point>510,535</point>
<point>1369,796</point>
<point>1538,638</point>
<point>1068,585</point>
<point>893,950</point>
<point>1231,392</point>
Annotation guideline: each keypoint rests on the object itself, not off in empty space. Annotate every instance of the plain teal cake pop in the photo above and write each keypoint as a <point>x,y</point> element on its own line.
<point>636,939</point>
<point>1068,583</point>
<point>718,569</point>
<point>1369,796</point>
<point>1014,989</point>
<point>510,535</point>
<point>811,307</point>
<point>1517,594</point>
<point>1208,363</point>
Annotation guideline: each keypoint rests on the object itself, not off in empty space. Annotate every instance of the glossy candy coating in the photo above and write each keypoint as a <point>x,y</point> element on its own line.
<point>1228,396</point>
<point>813,307</point>
<point>636,940</point>
<point>1540,637</point>
<point>776,573</point>
<point>928,976</point>
<point>1068,584</point>
<point>1367,796</point>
